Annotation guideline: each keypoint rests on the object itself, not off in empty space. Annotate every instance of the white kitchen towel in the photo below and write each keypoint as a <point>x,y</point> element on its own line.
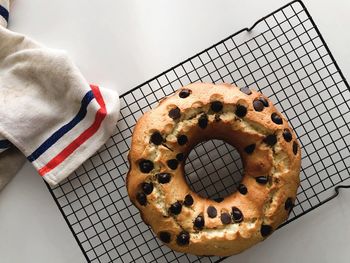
<point>13,159</point>
<point>48,110</point>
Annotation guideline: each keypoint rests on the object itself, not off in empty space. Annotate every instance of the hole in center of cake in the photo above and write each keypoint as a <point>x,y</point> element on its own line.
<point>214,169</point>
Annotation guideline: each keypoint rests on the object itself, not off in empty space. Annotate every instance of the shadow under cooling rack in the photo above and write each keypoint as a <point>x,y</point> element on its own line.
<point>285,57</point>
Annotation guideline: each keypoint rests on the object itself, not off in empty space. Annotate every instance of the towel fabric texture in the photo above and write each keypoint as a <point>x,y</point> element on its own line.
<point>48,111</point>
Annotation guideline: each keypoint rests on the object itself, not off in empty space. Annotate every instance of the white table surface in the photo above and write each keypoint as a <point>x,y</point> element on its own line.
<point>120,44</point>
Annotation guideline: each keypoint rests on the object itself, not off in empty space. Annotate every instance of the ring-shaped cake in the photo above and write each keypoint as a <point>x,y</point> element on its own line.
<point>270,153</point>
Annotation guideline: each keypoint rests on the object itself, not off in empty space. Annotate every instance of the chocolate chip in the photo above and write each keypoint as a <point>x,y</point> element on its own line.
<point>199,222</point>
<point>145,166</point>
<point>241,111</point>
<point>258,105</point>
<point>212,213</point>
<point>242,189</point>
<point>175,113</point>
<point>156,138</point>
<point>287,135</point>
<point>163,178</point>
<point>246,90</point>
<point>219,199</point>
<point>147,188</point>
<point>173,163</point>
<point>270,139</point>
<point>225,218</point>
<point>216,106</point>
<point>264,101</point>
<point>250,148</point>
<point>141,198</point>
<point>180,157</point>
<point>295,147</point>
<point>203,121</point>
<point>276,118</point>
<point>165,236</point>
<point>175,208</point>
<point>237,215</point>
<point>185,93</point>
<point>188,200</point>
<point>265,230</point>
<point>262,179</point>
<point>288,204</point>
<point>182,140</point>
<point>183,238</point>
<point>217,117</point>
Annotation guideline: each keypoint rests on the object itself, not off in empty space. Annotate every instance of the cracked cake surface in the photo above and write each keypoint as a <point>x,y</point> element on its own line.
<point>270,153</point>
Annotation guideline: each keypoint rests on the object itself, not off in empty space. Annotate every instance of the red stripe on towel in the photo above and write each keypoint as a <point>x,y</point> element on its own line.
<point>83,137</point>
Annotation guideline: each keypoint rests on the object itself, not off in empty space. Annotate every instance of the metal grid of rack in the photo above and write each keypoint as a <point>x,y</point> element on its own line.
<point>285,57</point>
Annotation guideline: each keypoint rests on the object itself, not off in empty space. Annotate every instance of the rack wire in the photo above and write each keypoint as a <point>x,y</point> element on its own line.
<point>284,56</point>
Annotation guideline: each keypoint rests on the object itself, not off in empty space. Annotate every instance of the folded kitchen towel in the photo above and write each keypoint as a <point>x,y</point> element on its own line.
<point>48,111</point>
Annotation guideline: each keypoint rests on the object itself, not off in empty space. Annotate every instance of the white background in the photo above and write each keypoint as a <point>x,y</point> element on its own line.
<point>120,44</point>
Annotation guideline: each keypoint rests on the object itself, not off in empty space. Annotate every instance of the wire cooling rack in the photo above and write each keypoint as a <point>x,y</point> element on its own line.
<point>284,56</point>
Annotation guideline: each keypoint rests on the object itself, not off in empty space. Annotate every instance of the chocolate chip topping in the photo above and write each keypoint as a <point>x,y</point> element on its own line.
<point>216,106</point>
<point>288,204</point>
<point>264,101</point>
<point>141,198</point>
<point>175,113</point>
<point>183,238</point>
<point>295,147</point>
<point>163,178</point>
<point>165,236</point>
<point>188,200</point>
<point>147,188</point>
<point>262,179</point>
<point>203,121</point>
<point>276,118</point>
<point>182,139</point>
<point>175,208</point>
<point>199,222</point>
<point>180,157</point>
<point>146,166</point>
<point>270,139</point>
<point>241,111</point>
<point>258,105</point>
<point>212,213</point>
<point>265,230</point>
<point>287,135</point>
<point>173,163</point>
<point>246,90</point>
<point>242,189</point>
<point>185,93</point>
<point>237,215</point>
<point>225,218</point>
<point>219,199</point>
<point>156,138</point>
<point>250,148</point>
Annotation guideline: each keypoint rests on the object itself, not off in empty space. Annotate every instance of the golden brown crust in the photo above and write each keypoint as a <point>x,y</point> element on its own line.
<point>263,206</point>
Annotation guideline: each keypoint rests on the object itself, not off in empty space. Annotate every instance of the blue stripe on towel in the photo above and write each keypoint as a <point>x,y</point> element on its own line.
<point>64,129</point>
<point>4,13</point>
<point>4,144</point>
